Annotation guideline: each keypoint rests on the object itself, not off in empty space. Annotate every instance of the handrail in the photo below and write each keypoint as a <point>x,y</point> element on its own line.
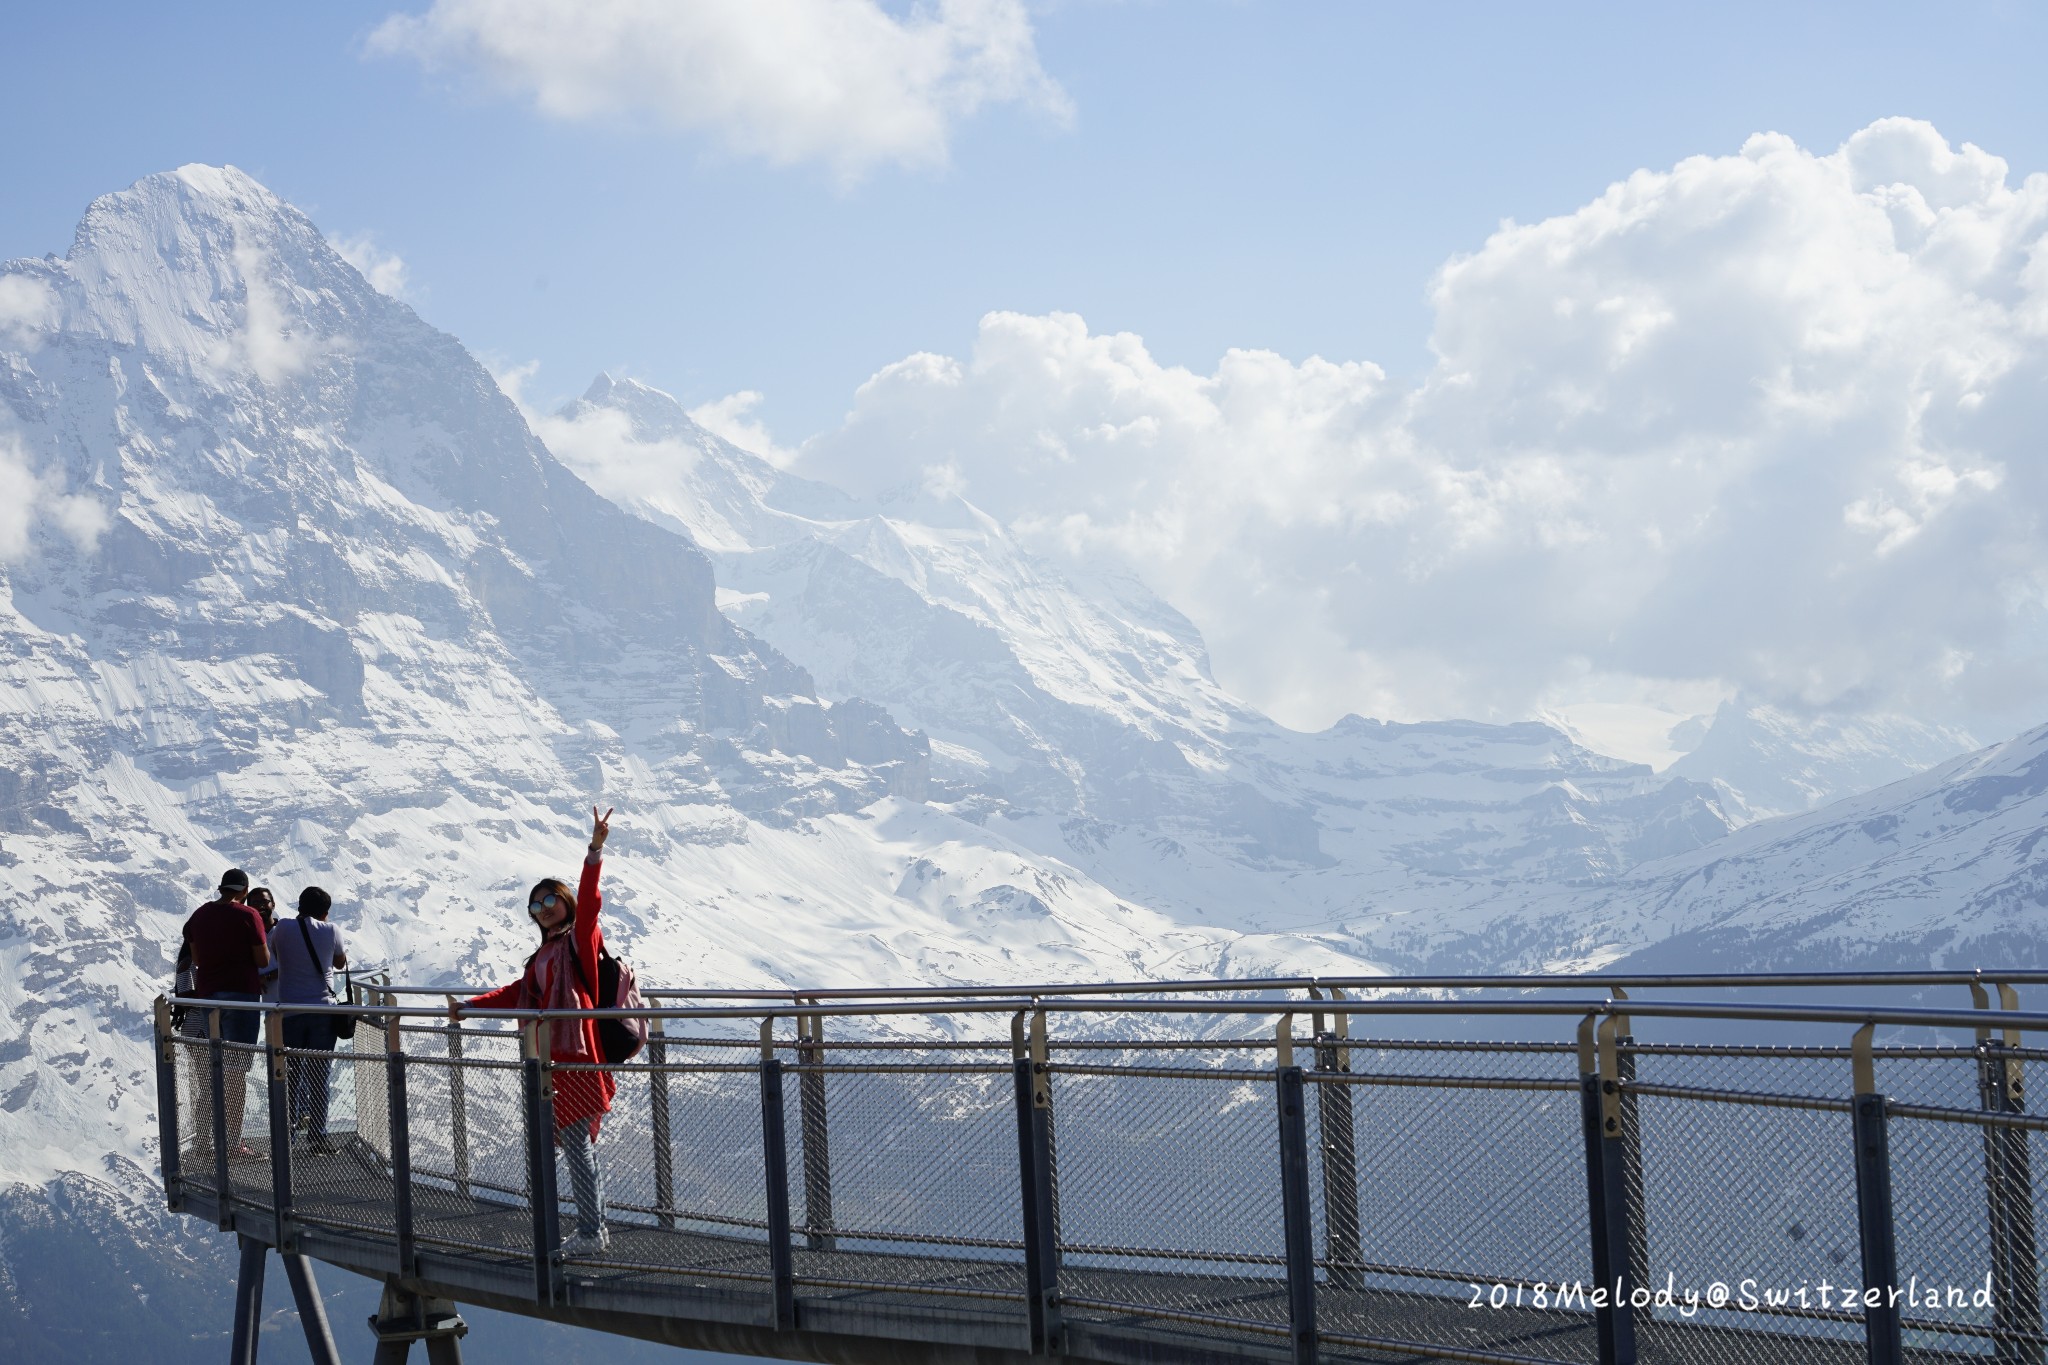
<point>1525,981</point>
<point>2016,1020</point>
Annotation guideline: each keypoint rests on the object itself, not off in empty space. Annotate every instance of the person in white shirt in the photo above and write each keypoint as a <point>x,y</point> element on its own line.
<point>307,949</point>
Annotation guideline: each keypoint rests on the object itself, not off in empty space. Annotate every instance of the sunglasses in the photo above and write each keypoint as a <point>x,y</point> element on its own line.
<point>544,903</point>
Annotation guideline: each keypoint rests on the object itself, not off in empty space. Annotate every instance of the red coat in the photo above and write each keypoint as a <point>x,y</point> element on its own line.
<point>553,981</point>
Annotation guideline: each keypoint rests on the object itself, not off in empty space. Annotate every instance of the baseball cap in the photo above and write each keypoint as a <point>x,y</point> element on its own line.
<point>234,879</point>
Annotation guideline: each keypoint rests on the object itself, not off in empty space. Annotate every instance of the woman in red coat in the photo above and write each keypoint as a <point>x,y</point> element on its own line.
<point>560,976</point>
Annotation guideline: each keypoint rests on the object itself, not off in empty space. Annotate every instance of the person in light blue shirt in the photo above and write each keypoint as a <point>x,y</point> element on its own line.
<point>307,950</point>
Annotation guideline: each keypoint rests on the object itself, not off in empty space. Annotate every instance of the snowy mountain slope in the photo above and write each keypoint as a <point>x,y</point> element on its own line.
<point>1766,761</point>
<point>1079,709</point>
<point>1948,868</point>
<point>305,594</point>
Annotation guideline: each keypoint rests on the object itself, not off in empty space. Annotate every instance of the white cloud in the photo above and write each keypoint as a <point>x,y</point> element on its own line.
<point>731,418</point>
<point>842,82</point>
<point>26,306</point>
<point>28,497</point>
<point>385,270</point>
<point>274,343</point>
<point>1769,421</point>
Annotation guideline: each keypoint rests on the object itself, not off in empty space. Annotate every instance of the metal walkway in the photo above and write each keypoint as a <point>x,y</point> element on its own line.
<point>1141,1180</point>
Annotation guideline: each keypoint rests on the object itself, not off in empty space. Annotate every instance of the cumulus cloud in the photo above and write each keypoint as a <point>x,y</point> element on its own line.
<point>385,270</point>
<point>731,418</point>
<point>29,497</point>
<point>842,82</point>
<point>27,305</point>
<point>273,343</point>
<point>1768,421</point>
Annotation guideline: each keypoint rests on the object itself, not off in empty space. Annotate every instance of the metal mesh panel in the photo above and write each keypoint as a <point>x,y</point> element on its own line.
<point>903,1172</point>
<point>1170,1194</point>
<point>466,1130</point>
<point>1458,1192</point>
<point>1742,1195</point>
<point>680,1157</point>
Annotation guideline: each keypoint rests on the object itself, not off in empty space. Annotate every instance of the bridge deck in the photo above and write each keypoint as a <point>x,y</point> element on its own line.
<point>709,1289</point>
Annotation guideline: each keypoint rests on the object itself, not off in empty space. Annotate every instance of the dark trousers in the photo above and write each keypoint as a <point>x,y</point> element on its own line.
<point>307,1076</point>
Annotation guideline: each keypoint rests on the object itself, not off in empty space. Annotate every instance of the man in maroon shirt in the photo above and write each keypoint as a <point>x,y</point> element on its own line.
<point>229,952</point>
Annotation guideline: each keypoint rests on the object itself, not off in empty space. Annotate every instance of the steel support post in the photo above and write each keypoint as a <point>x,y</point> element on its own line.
<point>1033,1086</point>
<point>1607,1207</point>
<point>816,1136</point>
<point>1296,1221</point>
<point>2009,1190</point>
<point>1343,1247</point>
<point>401,1147</point>
<point>1632,1157</point>
<point>540,1160</point>
<point>775,1165</point>
<point>279,1083</point>
<point>458,1109</point>
<point>167,1100</point>
<point>403,1317</point>
<point>312,1312</point>
<point>664,1146</point>
<point>248,1303</point>
<point>1883,1342</point>
<point>217,1073</point>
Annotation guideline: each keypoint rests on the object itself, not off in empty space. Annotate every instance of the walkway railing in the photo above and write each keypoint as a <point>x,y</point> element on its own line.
<point>1109,1177</point>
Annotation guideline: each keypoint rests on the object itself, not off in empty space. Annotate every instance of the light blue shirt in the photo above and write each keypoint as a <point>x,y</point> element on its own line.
<point>301,981</point>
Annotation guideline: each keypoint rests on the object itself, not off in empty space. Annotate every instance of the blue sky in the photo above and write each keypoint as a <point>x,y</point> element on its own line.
<point>1392,456</point>
<point>1283,175</point>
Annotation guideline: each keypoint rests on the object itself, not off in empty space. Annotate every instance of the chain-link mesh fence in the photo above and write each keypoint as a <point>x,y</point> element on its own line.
<point>903,1176</point>
<point>1446,1184</point>
<point>1451,1205</point>
<point>679,1163</point>
<point>1169,1192</point>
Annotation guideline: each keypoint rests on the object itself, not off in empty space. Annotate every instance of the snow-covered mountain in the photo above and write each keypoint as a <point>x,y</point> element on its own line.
<point>1075,710</point>
<point>1765,760</point>
<point>291,584</point>
<point>1947,868</point>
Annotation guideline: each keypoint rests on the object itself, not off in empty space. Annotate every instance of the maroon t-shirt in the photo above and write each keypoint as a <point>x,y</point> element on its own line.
<point>224,937</point>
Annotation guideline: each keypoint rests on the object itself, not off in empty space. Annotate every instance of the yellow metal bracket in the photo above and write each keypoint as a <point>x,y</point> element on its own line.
<point>1862,1064</point>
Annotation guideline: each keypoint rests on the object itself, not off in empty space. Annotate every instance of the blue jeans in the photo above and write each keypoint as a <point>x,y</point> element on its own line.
<point>308,1075</point>
<point>586,1181</point>
<point>239,1026</point>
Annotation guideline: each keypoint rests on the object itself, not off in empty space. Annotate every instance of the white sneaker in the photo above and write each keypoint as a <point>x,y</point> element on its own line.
<point>586,1244</point>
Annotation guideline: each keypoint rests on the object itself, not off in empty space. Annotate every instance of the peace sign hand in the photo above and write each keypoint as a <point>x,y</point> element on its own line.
<point>600,827</point>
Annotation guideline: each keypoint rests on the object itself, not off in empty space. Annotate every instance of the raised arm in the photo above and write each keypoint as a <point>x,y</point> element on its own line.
<point>589,900</point>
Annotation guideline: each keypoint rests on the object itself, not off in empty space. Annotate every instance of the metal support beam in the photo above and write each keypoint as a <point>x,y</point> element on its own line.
<point>540,1160</point>
<point>1296,1220</point>
<point>278,1080</point>
<point>2009,1193</point>
<point>169,1141</point>
<point>664,1145</point>
<point>217,1066</point>
<point>775,1164</point>
<point>815,1135</point>
<point>1343,1247</point>
<point>404,1317</point>
<point>1614,1320</point>
<point>1033,1089</point>
<point>312,1312</point>
<point>400,1119</point>
<point>1624,1054</point>
<point>248,1303</point>
<point>458,1109</point>
<point>1883,1342</point>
